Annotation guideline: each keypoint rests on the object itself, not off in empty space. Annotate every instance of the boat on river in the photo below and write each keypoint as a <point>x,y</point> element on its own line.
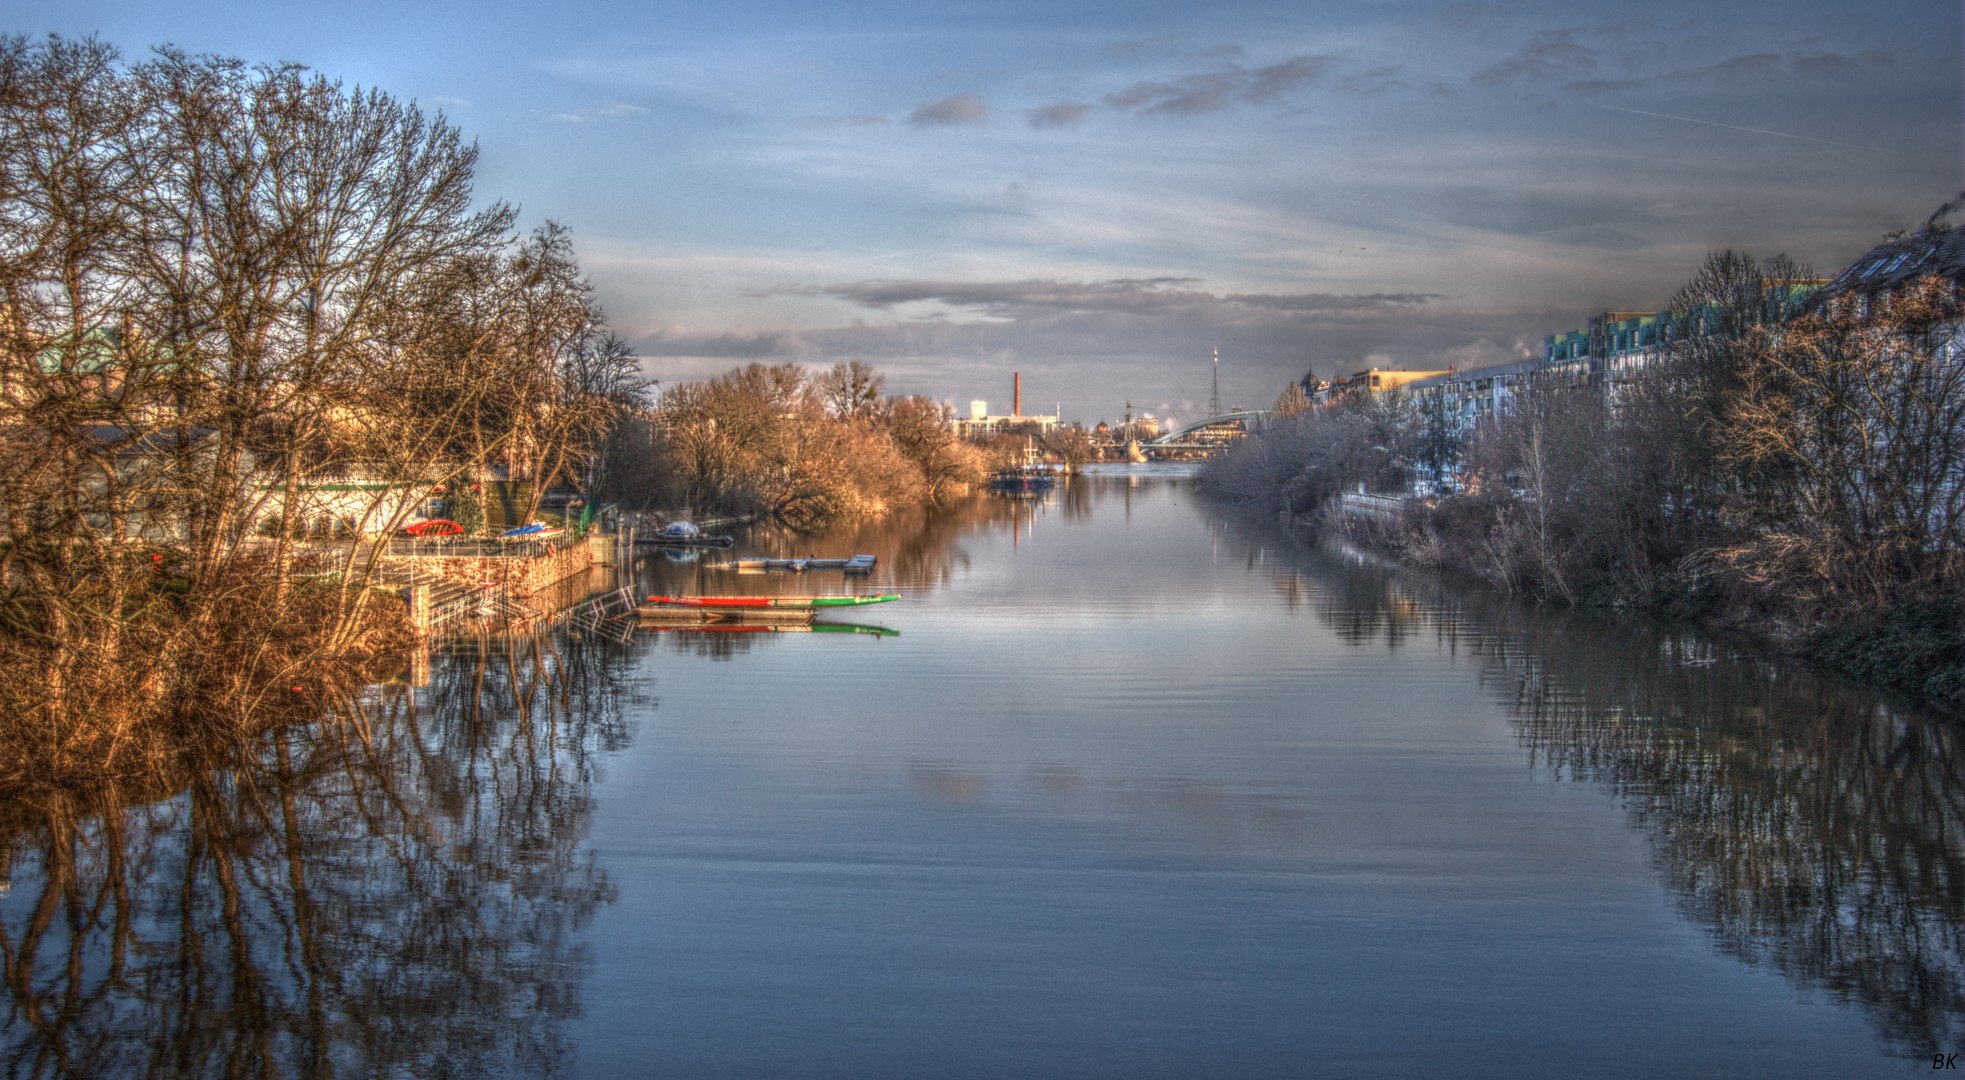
<point>858,564</point>
<point>713,609</point>
<point>1027,477</point>
<point>684,534</point>
<point>774,628</point>
<point>770,603</point>
<point>1023,478</point>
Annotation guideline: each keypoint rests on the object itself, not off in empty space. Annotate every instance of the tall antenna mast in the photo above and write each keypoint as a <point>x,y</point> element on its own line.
<point>1214,401</point>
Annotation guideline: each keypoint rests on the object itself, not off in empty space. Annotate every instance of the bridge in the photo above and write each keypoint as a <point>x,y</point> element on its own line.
<point>1211,432</point>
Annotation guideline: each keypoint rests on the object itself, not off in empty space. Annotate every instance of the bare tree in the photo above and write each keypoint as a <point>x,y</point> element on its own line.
<point>850,389</point>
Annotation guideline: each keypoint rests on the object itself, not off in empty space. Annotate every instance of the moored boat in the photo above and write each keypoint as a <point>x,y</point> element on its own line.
<point>858,564</point>
<point>1022,478</point>
<point>433,529</point>
<point>769,628</point>
<point>765,603</point>
<point>684,534</point>
<point>1029,476</point>
<point>534,530</point>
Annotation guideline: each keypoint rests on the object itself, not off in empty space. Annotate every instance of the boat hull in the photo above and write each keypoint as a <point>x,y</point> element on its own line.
<point>665,615</point>
<point>858,564</point>
<point>769,603</point>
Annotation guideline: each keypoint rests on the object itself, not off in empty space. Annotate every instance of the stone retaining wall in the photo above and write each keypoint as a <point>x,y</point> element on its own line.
<point>518,576</point>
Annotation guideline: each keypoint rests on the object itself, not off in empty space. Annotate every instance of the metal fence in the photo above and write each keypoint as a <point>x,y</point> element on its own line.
<point>444,548</point>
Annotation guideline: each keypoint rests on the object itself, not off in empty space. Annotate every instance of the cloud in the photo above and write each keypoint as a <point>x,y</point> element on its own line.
<point>1475,13</point>
<point>451,102</point>
<point>868,120</point>
<point>964,108</point>
<point>1062,114</point>
<point>1129,296</point>
<point>1378,80</point>
<point>1747,65</point>
<point>1221,52</point>
<point>1601,86</point>
<point>1213,91</point>
<point>1193,94</point>
<point>1096,359</point>
<point>1547,53</point>
<point>613,110</point>
<point>1809,66</point>
<point>720,345</point>
<point>1269,83</point>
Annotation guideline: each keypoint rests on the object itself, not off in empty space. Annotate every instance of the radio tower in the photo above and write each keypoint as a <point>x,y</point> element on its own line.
<point>1214,401</point>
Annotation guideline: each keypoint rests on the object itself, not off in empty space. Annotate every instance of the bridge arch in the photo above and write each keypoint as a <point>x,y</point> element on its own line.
<point>1248,418</point>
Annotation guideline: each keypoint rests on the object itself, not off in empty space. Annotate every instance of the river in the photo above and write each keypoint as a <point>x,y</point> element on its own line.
<point>1132,789</point>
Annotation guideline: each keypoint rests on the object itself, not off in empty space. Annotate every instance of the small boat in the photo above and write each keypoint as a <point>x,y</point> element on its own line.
<point>858,564</point>
<point>684,534</point>
<point>1029,476</point>
<point>1022,478</point>
<point>769,603</point>
<point>656,616</point>
<point>777,628</point>
<point>536,530</point>
<point>433,528</point>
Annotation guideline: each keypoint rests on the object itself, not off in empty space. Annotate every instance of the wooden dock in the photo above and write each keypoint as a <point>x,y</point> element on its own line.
<point>858,564</point>
<point>670,615</point>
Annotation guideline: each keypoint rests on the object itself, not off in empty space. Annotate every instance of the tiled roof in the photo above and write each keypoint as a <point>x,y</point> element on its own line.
<point>1928,252</point>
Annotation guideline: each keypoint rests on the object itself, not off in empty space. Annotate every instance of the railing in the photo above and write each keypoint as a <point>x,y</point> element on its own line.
<point>434,548</point>
<point>1372,505</point>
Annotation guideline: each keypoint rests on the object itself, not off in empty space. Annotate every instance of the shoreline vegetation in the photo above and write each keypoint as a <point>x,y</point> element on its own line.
<point>781,442</point>
<point>1795,471</point>
<point>252,322</point>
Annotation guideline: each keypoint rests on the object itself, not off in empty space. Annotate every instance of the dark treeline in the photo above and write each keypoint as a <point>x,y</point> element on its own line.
<point>1761,785</point>
<point>224,287</point>
<point>1793,470</point>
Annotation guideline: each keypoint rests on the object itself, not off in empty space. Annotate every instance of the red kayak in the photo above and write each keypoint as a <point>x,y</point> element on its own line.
<point>771,601</point>
<point>434,527</point>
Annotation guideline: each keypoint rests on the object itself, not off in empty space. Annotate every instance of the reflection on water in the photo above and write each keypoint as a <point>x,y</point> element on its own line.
<point>915,829</point>
<point>400,892</point>
<point>1805,823</point>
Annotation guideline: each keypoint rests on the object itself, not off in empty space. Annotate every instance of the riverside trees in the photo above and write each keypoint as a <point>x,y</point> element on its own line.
<point>220,283</point>
<point>1783,466</point>
<point>777,440</point>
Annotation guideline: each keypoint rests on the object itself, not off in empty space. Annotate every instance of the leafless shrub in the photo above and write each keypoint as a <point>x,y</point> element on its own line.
<point>1301,462</point>
<point>773,440</point>
<point>222,286</point>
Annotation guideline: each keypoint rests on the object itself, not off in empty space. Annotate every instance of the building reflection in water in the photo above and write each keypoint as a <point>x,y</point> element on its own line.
<point>399,892</point>
<point>1805,823</point>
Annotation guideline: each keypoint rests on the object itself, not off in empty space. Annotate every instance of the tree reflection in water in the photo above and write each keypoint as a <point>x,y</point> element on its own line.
<point>1808,824</point>
<point>397,892</point>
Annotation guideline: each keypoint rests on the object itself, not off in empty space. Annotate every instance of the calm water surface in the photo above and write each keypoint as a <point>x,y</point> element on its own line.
<point>1134,791</point>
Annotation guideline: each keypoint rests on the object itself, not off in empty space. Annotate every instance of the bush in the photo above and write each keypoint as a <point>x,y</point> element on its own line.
<point>1918,647</point>
<point>466,508</point>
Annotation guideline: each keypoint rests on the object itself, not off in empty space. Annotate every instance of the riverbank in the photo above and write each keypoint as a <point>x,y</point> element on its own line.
<point>182,676</point>
<point>1915,645</point>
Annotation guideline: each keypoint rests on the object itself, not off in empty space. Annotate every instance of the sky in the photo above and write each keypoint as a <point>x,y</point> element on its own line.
<point>1099,195</point>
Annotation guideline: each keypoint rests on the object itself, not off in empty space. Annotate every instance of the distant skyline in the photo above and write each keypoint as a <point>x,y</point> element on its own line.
<point>1099,195</point>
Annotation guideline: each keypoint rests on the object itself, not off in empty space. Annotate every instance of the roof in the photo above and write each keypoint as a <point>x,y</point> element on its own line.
<point>1929,251</point>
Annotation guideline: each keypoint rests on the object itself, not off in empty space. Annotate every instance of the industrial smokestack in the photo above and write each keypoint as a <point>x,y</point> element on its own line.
<point>1016,395</point>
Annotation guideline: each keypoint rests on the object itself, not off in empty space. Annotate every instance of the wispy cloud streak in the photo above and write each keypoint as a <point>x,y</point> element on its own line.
<point>1736,127</point>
